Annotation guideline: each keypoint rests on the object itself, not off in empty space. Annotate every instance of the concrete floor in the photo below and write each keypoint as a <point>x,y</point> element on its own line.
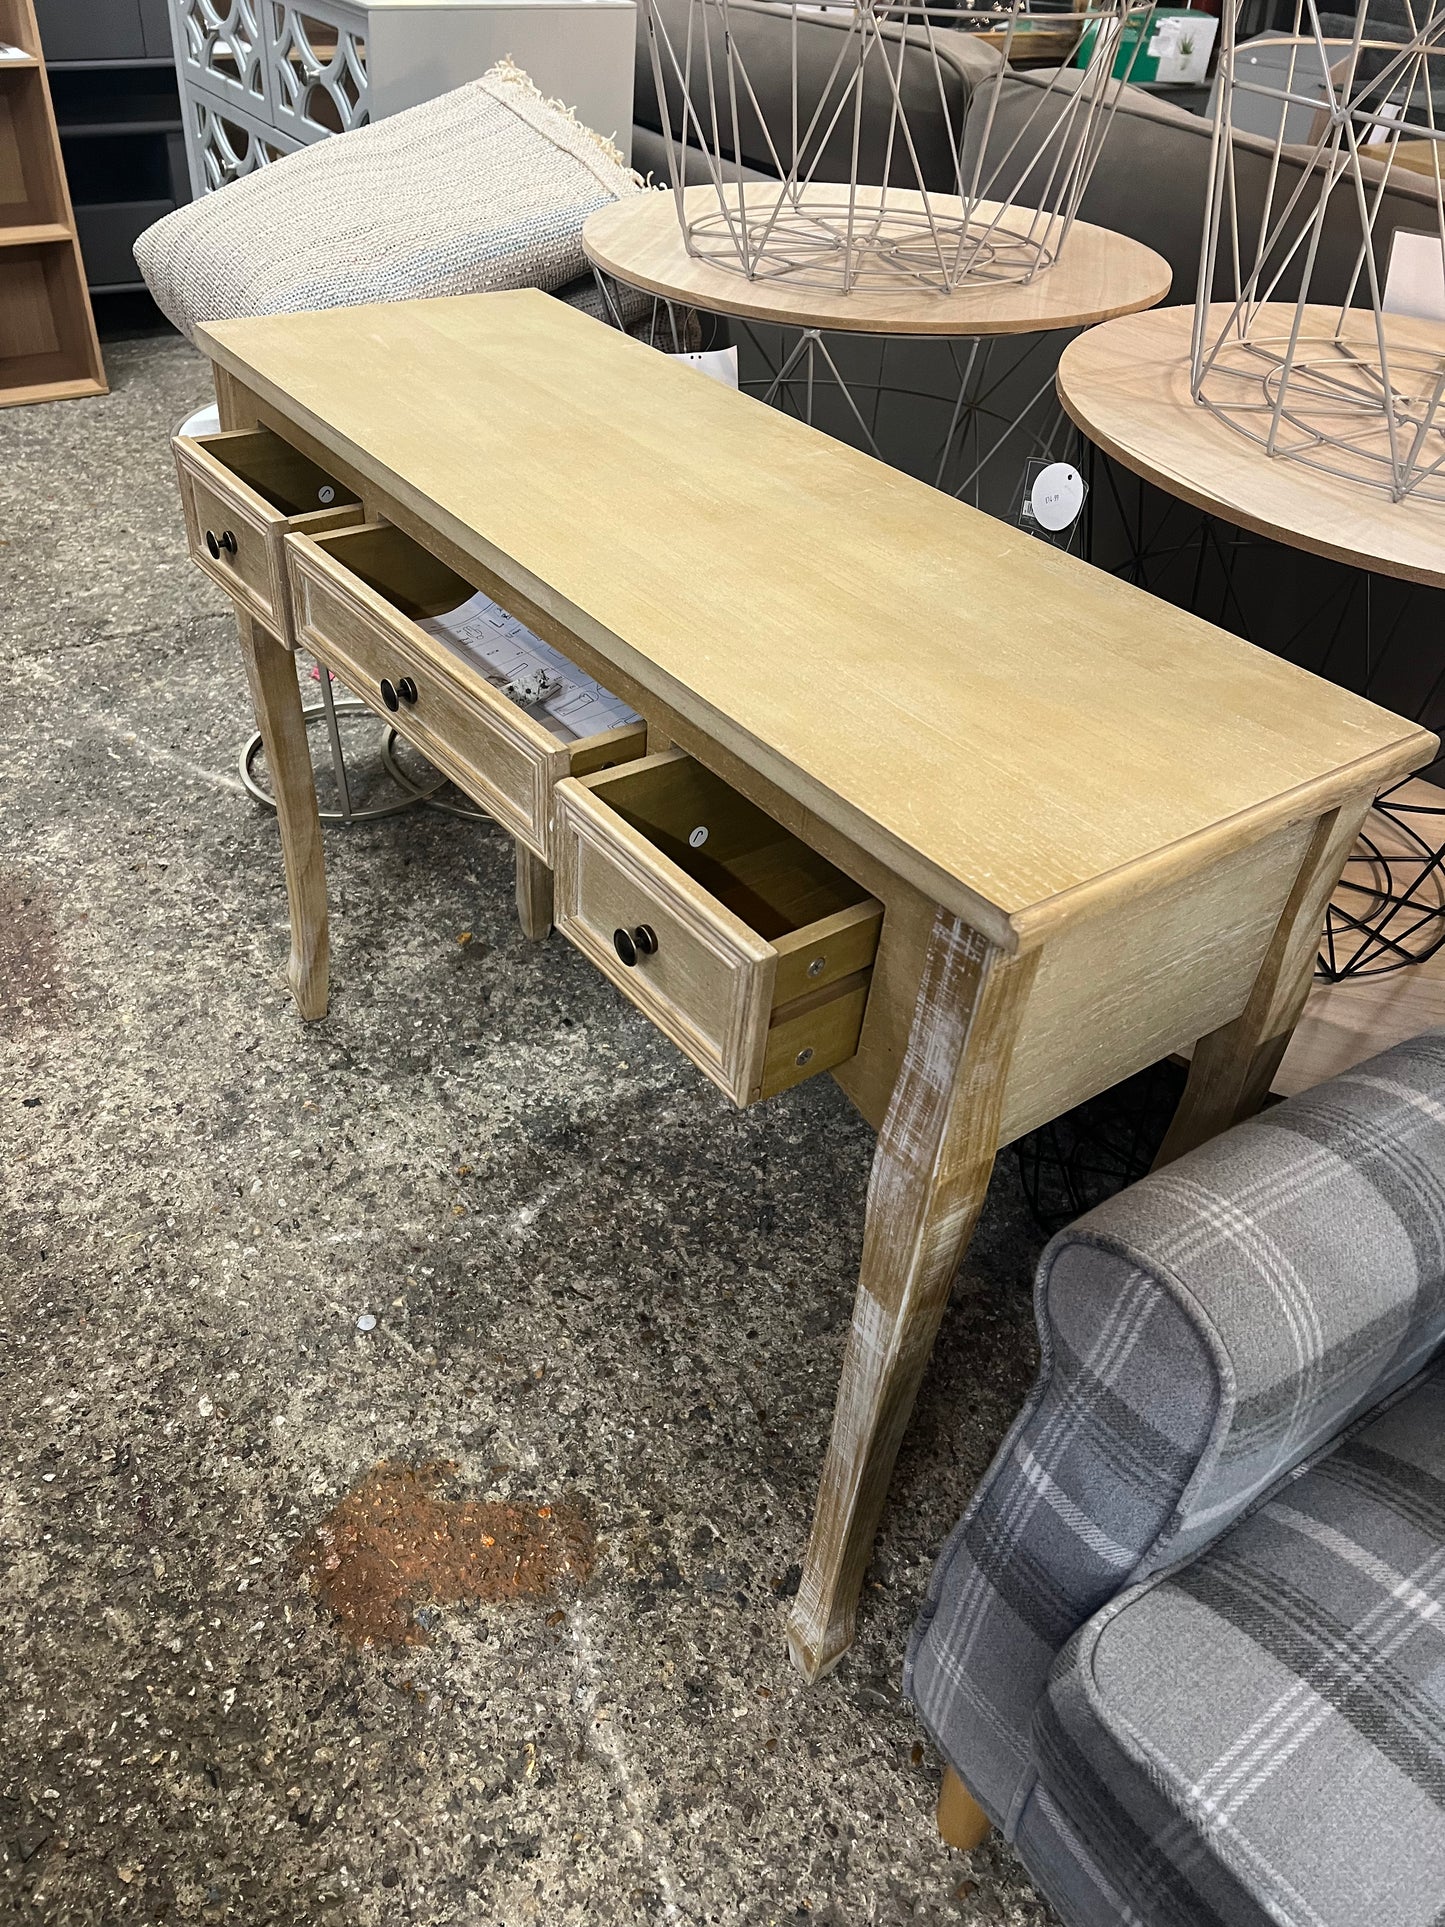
<point>595,1287</point>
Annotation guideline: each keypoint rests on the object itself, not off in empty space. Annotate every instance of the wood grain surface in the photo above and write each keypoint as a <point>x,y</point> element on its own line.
<point>1098,273</point>
<point>1127,386</point>
<point>1015,733</point>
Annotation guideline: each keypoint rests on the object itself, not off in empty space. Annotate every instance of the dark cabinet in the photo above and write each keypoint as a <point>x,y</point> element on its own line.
<point>104,29</point>
<point>118,112</point>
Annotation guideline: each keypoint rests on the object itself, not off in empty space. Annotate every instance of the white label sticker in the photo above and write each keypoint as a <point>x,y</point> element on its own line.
<point>1057,496</point>
<point>326,493</point>
<point>698,836</point>
<point>720,364</point>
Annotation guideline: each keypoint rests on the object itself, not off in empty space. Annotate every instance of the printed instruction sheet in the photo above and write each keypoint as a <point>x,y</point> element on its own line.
<point>519,664</point>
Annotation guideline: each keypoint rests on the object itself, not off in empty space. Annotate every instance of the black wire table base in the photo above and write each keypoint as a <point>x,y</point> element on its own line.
<point>1348,625</point>
<point>1389,910</point>
<point>1098,1148</point>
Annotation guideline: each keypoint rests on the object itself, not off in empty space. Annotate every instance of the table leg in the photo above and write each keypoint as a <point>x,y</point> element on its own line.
<point>935,1153</point>
<point>534,895</point>
<point>1233,1067</point>
<point>276,698</point>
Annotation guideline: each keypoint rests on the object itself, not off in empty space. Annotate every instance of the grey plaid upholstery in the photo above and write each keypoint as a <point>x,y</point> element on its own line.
<point>1261,1737</point>
<point>1204,1335</point>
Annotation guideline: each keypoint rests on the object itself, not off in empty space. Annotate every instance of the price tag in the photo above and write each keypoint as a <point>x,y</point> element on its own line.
<point>1050,501</point>
<point>1056,496</point>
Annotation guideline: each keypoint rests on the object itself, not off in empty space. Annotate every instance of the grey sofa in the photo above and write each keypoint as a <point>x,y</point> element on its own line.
<point>764,37</point>
<point>1187,1645</point>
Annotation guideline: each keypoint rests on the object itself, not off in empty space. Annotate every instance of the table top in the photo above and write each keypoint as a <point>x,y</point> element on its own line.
<point>1098,273</point>
<point>1127,386</point>
<point>1018,734</point>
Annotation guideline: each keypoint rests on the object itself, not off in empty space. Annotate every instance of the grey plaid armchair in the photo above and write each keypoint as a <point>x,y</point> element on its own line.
<point>1187,1645</point>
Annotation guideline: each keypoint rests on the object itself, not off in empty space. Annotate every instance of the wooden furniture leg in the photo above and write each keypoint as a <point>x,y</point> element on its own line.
<point>1233,1067</point>
<point>961,1820</point>
<point>534,895</point>
<point>276,698</point>
<point>930,1172</point>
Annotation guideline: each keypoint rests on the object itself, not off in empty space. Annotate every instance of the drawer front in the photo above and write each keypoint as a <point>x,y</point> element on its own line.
<point>709,982</point>
<point>229,536</point>
<point>236,535</point>
<point>483,742</point>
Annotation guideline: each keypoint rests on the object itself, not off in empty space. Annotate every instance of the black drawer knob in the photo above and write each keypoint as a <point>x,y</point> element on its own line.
<point>389,696</point>
<point>216,543</point>
<point>406,689</point>
<point>632,944</point>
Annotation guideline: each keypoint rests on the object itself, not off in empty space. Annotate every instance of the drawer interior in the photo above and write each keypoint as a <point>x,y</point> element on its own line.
<point>761,872</point>
<point>414,583</point>
<point>291,482</point>
<point>399,570</point>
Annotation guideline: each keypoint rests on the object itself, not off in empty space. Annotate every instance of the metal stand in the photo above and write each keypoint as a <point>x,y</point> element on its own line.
<point>1085,1156</point>
<point>1389,911</point>
<point>330,712</point>
<point>1398,922</point>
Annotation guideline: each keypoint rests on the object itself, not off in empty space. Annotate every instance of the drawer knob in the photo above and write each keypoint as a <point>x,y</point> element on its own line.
<point>632,944</point>
<point>215,543</point>
<point>389,695</point>
<point>406,689</point>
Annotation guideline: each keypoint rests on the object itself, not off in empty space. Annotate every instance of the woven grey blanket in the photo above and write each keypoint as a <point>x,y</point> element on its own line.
<point>485,187</point>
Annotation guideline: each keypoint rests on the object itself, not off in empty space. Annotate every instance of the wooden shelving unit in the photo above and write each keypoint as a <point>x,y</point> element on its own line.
<point>48,346</point>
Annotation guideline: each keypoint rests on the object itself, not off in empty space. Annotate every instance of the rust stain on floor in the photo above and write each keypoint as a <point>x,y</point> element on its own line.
<point>392,1544</point>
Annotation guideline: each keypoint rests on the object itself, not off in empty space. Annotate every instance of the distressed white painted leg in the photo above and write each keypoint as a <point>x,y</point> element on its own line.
<point>276,698</point>
<point>930,1173</point>
<point>1233,1067</point>
<point>534,895</point>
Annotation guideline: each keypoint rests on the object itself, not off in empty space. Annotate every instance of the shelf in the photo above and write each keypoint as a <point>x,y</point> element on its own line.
<point>45,321</point>
<point>32,187</point>
<point>101,101</point>
<point>28,235</point>
<point>43,378</point>
<point>95,66</point>
<point>48,346</point>
<point>82,130</point>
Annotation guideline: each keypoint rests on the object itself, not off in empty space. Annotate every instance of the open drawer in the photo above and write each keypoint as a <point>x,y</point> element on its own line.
<point>359,596</point>
<point>751,951</point>
<point>243,493</point>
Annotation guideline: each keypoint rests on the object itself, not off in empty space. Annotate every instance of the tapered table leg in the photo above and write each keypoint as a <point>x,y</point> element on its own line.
<point>534,895</point>
<point>276,698</point>
<point>1233,1067</point>
<point>930,1173</point>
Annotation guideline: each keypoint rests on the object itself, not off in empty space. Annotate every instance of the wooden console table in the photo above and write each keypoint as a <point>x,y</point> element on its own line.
<point>986,830</point>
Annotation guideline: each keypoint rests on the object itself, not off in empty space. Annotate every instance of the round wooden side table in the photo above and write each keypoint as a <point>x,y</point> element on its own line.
<point>1125,386</point>
<point>989,418</point>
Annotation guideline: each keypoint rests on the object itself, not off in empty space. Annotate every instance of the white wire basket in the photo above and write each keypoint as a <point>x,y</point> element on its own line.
<point>1007,203</point>
<point>1319,328</point>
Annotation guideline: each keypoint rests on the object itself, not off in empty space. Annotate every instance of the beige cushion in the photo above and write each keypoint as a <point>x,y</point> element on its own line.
<point>485,187</point>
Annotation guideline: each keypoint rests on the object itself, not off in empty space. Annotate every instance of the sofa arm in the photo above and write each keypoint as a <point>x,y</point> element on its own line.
<point>1202,1335</point>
